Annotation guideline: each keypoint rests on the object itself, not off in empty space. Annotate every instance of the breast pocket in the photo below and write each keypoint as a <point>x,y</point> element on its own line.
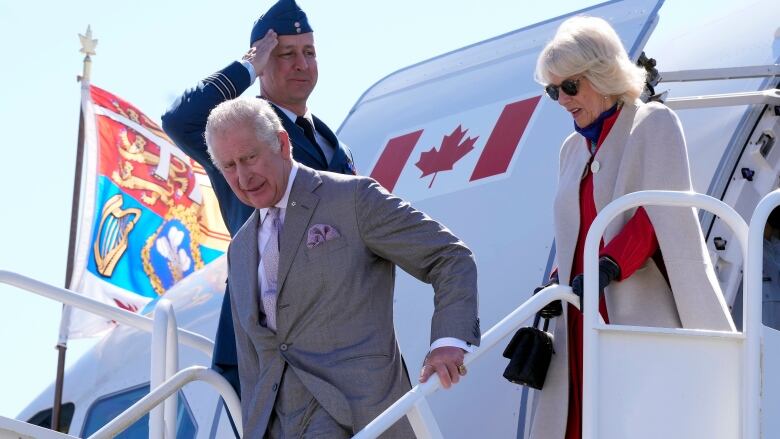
<point>333,259</point>
<point>325,249</point>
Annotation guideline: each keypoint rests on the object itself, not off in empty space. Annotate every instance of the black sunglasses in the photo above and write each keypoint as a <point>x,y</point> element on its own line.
<point>569,86</point>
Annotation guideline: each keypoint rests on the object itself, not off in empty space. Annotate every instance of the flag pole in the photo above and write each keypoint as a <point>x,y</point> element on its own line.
<point>87,48</point>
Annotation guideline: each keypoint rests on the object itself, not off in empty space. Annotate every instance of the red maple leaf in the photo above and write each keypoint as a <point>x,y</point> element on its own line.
<point>450,151</point>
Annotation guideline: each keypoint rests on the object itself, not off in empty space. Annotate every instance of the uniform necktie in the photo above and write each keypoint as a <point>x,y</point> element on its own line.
<point>308,131</point>
<point>270,261</point>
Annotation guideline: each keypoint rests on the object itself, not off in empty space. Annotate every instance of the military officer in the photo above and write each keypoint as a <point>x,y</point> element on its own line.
<point>283,56</point>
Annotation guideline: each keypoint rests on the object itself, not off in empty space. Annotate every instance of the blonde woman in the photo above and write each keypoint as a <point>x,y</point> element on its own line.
<point>653,266</point>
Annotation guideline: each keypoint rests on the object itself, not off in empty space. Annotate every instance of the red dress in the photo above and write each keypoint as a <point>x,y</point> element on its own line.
<point>630,248</point>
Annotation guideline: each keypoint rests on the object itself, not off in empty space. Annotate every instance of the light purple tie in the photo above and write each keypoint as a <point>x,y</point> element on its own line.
<point>270,260</point>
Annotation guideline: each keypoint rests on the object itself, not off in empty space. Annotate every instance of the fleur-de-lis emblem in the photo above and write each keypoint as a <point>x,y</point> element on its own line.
<point>169,247</point>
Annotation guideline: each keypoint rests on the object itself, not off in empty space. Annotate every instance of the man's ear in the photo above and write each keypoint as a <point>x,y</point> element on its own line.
<point>285,149</point>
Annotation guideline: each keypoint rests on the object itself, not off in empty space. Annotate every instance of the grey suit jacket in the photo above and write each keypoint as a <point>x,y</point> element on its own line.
<point>335,303</point>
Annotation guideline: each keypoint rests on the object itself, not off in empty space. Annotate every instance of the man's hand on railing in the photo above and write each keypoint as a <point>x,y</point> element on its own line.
<point>554,308</point>
<point>447,362</point>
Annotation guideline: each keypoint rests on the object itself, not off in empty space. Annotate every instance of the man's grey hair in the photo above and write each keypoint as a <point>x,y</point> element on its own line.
<point>233,113</point>
<point>589,46</point>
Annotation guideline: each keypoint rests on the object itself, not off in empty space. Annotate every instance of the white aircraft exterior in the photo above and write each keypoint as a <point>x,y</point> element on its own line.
<point>498,198</point>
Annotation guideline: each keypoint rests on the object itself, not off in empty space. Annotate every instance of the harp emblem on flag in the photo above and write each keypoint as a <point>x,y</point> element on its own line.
<point>112,236</point>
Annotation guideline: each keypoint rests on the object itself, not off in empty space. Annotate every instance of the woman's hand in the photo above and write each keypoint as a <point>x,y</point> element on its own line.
<point>608,271</point>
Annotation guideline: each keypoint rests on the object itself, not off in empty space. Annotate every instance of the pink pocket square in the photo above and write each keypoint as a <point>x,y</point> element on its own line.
<point>320,233</point>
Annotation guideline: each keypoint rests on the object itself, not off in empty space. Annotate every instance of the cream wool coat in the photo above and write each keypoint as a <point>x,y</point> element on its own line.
<point>644,150</point>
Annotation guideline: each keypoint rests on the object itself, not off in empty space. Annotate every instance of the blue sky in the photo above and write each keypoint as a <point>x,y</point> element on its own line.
<point>148,53</point>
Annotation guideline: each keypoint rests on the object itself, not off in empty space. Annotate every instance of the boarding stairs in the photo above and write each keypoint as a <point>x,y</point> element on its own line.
<point>694,383</point>
<point>644,382</point>
<point>166,378</point>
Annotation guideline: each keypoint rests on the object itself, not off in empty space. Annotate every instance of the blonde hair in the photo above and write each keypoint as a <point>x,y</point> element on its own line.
<point>589,46</point>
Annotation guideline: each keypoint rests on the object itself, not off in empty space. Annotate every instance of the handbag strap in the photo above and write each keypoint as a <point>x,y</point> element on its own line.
<point>536,322</point>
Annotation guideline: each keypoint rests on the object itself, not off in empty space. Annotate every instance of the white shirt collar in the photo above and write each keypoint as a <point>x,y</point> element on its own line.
<point>282,203</point>
<point>294,116</point>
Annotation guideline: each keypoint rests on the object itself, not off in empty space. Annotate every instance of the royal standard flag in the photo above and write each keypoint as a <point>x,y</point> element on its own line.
<point>148,216</point>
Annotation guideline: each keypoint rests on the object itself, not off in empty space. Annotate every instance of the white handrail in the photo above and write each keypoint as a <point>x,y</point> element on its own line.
<point>492,337</point>
<point>753,300</point>
<point>764,97</point>
<point>165,363</point>
<point>591,322</point>
<point>70,298</point>
<point>720,73</point>
<point>159,394</point>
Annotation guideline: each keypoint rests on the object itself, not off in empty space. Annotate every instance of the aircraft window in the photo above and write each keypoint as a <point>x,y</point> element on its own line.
<point>43,417</point>
<point>108,407</point>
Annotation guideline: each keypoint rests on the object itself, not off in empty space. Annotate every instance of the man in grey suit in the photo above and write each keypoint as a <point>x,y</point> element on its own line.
<point>311,278</point>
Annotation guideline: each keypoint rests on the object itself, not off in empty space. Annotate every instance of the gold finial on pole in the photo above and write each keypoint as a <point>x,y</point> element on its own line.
<point>88,45</point>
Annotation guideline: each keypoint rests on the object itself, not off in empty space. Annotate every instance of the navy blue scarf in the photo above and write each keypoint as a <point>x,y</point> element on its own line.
<point>592,132</point>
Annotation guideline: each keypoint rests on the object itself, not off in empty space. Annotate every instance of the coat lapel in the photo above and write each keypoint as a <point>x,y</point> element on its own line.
<point>300,208</point>
<point>567,200</point>
<point>243,270</point>
<point>567,205</point>
<point>610,155</point>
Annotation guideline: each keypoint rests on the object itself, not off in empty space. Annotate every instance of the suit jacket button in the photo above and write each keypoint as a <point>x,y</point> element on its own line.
<point>283,347</point>
<point>275,386</point>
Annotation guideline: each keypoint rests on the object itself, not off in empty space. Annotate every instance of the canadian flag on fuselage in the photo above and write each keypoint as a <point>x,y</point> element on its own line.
<point>454,152</point>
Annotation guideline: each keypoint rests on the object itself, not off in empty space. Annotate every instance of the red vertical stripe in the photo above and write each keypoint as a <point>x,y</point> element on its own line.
<point>503,141</point>
<point>393,159</point>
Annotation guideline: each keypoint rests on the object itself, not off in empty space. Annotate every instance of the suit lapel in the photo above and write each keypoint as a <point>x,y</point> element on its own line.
<point>244,262</point>
<point>300,208</point>
<point>303,150</point>
<point>338,163</point>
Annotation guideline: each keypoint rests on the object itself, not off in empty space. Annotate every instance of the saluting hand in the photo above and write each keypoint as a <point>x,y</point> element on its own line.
<point>447,362</point>
<point>260,51</point>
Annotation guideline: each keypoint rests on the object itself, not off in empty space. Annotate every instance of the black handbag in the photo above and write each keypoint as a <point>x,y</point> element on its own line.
<point>529,353</point>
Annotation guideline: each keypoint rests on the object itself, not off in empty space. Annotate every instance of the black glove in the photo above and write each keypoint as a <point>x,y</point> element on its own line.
<point>608,271</point>
<point>554,308</point>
